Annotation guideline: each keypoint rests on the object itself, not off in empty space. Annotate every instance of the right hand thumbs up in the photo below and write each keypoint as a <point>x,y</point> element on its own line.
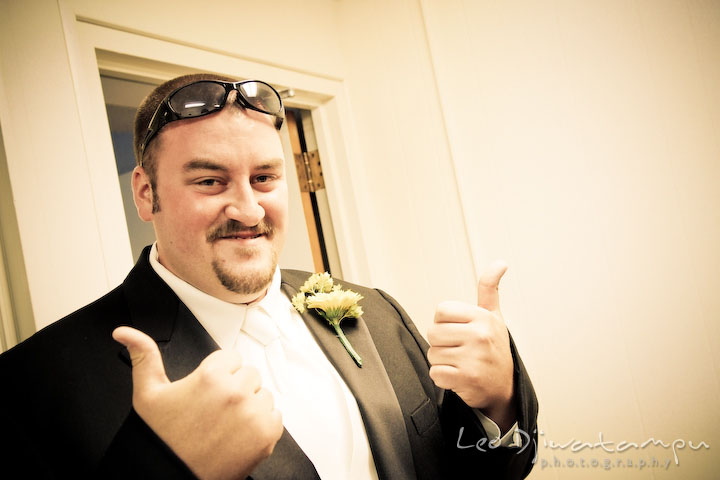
<point>218,419</point>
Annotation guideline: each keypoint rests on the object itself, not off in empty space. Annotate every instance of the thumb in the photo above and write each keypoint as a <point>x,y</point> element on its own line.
<point>488,285</point>
<point>147,364</point>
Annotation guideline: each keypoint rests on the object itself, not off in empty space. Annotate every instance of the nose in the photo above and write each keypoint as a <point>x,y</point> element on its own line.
<point>244,207</point>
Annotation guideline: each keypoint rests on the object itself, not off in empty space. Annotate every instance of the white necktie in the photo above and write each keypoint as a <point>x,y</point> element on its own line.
<point>318,415</point>
<point>263,330</point>
<point>300,375</point>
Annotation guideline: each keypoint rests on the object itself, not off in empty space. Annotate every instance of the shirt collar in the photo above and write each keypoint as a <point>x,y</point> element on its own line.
<point>222,320</point>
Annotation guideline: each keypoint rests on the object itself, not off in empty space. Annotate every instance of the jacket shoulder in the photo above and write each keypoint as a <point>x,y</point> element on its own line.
<point>296,278</point>
<point>85,325</point>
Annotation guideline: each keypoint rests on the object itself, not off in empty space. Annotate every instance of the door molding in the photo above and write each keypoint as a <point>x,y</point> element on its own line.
<point>93,48</point>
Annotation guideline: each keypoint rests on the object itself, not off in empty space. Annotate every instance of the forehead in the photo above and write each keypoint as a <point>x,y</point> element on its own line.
<point>234,137</point>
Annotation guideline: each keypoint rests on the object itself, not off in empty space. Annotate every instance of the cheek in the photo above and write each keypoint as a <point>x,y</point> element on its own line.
<point>276,208</point>
<point>187,215</point>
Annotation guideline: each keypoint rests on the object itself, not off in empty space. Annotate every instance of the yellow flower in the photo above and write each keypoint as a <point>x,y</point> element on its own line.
<point>338,299</point>
<point>332,303</point>
<point>298,302</point>
<point>354,312</point>
<point>317,283</point>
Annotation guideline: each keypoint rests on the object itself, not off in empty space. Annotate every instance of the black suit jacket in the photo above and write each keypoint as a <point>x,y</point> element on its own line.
<point>66,407</point>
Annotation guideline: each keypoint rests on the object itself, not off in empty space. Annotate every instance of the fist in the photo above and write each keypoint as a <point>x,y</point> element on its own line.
<point>218,419</point>
<point>470,350</point>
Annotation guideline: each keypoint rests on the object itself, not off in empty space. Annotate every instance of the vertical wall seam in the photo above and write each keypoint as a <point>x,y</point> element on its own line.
<point>448,143</point>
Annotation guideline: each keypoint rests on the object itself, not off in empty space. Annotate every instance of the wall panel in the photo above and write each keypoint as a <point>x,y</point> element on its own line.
<point>586,148</point>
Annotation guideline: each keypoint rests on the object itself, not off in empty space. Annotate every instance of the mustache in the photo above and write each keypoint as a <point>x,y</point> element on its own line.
<point>233,227</point>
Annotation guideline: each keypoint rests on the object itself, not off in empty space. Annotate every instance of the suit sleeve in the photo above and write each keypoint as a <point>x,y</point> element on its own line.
<point>135,452</point>
<point>465,439</point>
<point>121,460</point>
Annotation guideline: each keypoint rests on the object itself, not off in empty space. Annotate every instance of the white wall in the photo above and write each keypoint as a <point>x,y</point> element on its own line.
<point>417,244</point>
<point>577,140</point>
<point>585,138</point>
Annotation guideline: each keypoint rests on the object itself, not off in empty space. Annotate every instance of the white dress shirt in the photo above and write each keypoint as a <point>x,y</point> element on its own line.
<point>317,407</point>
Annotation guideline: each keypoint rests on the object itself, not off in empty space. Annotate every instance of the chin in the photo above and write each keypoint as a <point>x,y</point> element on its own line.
<point>248,276</point>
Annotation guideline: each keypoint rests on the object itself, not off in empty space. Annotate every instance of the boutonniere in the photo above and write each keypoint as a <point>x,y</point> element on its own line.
<point>332,303</point>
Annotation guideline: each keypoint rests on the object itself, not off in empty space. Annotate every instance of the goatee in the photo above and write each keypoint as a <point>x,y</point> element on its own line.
<point>247,282</point>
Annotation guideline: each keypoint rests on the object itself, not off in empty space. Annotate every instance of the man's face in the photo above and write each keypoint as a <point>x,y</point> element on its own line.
<point>223,202</point>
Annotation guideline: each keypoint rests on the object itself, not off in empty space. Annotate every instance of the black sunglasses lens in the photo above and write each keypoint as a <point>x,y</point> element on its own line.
<point>198,99</point>
<point>261,96</point>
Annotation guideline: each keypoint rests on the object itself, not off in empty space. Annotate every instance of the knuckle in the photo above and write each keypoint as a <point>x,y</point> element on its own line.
<point>230,357</point>
<point>137,357</point>
<point>216,355</point>
<point>480,314</point>
<point>253,374</point>
<point>268,450</point>
<point>250,379</point>
<point>432,335</point>
<point>444,308</point>
<point>431,354</point>
<point>438,377</point>
<point>222,357</point>
<point>466,377</point>
<point>265,397</point>
<point>141,398</point>
<point>277,422</point>
<point>208,362</point>
<point>269,427</point>
<point>271,437</point>
<point>482,333</point>
<point>237,395</point>
<point>208,375</point>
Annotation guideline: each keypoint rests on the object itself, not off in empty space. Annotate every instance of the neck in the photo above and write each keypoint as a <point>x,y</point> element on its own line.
<point>243,299</point>
<point>218,290</point>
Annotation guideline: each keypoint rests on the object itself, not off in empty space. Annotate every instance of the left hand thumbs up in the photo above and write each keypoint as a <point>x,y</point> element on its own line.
<point>488,294</point>
<point>470,350</point>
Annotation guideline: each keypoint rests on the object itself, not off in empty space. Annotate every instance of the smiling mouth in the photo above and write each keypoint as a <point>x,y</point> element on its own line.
<point>234,230</point>
<point>243,236</point>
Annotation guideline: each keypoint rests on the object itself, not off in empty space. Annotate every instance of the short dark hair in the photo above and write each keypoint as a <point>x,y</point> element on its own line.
<point>144,115</point>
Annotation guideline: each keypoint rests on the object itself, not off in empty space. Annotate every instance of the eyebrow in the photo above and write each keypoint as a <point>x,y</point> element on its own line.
<point>271,164</point>
<point>203,165</point>
<point>210,165</point>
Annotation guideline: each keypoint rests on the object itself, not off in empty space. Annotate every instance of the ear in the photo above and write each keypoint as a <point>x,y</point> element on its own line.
<point>142,194</point>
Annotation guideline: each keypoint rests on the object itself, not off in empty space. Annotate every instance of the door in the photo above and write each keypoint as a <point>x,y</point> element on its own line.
<point>309,238</point>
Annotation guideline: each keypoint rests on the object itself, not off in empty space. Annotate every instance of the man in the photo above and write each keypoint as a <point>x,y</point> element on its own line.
<point>219,377</point>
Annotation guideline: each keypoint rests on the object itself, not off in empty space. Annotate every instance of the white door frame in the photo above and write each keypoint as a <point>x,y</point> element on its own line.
<point>93,47</point>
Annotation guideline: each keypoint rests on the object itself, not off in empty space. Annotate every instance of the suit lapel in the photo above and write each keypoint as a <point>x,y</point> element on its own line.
<point>370,386</point>
<point>157,311</point>
<point>184,343</point>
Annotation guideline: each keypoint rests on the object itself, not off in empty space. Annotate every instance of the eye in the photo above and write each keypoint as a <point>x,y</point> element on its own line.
<point>209,185</point>
<point>209,182</point>
<point>263,178</point>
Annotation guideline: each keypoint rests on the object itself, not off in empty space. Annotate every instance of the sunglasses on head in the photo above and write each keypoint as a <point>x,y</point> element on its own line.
<point>207,96</point>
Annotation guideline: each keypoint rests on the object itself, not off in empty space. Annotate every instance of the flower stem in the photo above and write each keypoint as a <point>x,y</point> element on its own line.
<point>346,344</point>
